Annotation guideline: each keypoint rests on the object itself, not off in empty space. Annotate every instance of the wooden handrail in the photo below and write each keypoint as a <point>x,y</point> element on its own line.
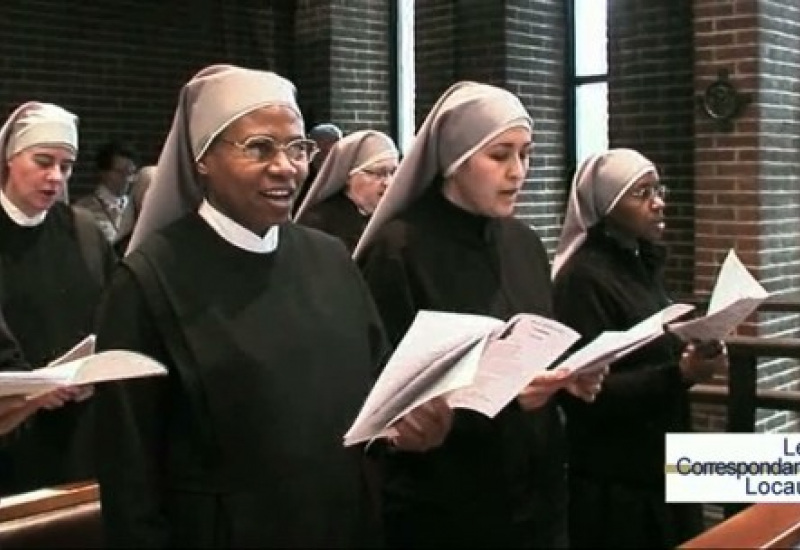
<point>776,303</point>
<point>47,500</point>
<point>759,346</point>
<point>776,400</point>
<point>763,525</point>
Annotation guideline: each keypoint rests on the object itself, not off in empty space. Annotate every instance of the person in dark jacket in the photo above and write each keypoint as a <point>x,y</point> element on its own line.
<point>608,275</point>
<point>241,445</point>
<point>444,238</point>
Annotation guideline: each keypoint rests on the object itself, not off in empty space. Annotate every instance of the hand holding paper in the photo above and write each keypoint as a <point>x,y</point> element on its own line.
<point>79,367</point>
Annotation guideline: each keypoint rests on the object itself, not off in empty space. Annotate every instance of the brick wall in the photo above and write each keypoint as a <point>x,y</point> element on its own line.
<point>515,44</point>
<point>535,71</point>
<point>119,64</point>
<point>651,109</point>
<point>343,62</point>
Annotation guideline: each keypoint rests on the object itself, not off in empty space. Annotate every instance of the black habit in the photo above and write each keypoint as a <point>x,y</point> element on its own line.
<point>338,216</point>
<point>269,363</point>
<point>494,483</point>
<point>49,293</point>
<point>616,444</point>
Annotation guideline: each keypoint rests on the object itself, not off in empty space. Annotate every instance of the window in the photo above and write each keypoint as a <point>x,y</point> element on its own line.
<point>405,81</point>
<point>587,67</point>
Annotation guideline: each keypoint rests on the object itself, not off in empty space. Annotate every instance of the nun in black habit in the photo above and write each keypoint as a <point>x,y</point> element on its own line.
<point>54,263</point>
<point>241,445</point>
<point>608,272</point>
<point>350,185</point>
<point>444,238</point>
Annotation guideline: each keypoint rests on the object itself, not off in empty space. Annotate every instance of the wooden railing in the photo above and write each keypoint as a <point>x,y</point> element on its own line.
<point>767,525</point>
<point>67,516</point>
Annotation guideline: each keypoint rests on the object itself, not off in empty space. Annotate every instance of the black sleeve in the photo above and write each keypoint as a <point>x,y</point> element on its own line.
<point>385,274</point>
<point>641,381</point>
<point>130,423</point>
<point>11,357</point>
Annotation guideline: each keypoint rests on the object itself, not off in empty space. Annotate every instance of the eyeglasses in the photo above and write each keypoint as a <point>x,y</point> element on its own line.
<point>265,149</point>
<point>649,192</point>
<point>383,174</point>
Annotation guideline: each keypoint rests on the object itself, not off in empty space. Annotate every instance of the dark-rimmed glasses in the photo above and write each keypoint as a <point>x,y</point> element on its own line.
<point>649,192</point>
<point>381,174</point>
<point>265,149</point>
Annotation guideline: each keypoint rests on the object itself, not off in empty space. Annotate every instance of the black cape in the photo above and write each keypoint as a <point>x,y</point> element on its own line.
<point>616,444</point>
<point>499,482</point>
<point>270,361</point>
<point>49,293</point>
<point>338,216</point>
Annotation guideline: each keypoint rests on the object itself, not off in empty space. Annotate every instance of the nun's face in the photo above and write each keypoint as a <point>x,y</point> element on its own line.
<point>256,193</point>
<point>367,186</point>
<point>640,211</point>
<point>490,180</point>
<point>37,177</point>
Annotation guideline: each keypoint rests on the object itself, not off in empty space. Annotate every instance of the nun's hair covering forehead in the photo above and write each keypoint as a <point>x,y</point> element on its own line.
<point>214,98</point>
<point>36,124</point>
<point>464,119</point>
<point>352,153</point>
<point>599,183</point>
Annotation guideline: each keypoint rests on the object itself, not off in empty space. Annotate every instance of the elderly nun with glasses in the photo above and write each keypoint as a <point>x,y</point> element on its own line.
<point>608,275</point>
<point>350,185</point>
<point>444,238</point>
<point>241,445</point>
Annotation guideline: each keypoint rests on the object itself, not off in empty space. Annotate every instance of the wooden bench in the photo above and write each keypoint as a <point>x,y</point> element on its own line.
<point>66,516</point>
<point>763,525</point>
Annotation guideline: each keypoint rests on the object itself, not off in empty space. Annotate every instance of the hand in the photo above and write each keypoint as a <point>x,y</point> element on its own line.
<point>58,398</point>
<point>423,428</point>
<point>542,387</point>
<point>587,386</point>
<point>698,365</point>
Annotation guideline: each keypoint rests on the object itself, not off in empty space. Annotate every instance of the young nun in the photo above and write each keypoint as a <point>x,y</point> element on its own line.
<point>443,238</point>
<point>608,273</point>
<point>241,444</point>
<point>53,266</point>
<point>350,185</point>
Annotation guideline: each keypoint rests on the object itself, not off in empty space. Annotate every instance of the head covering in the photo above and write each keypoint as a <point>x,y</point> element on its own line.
<point>144,177</point>
<point>34,123</point>
<point>467,116</point>
<point>325,131</point>
<point>350,155</point>
<point>213,99</point>
<point>600,181</point>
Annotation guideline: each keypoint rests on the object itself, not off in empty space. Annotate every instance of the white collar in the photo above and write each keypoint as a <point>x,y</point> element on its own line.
<point>18,216</point>
<point>236,234</point>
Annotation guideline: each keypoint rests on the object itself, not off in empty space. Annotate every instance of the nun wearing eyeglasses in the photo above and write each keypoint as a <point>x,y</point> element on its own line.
<point>241,445</point>
<point>350,185</point>
<point>444,238</point>
<point>53,266</point>
<point>608,275</point>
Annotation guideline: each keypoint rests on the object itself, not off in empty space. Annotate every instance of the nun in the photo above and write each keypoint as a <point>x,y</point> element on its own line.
<point>608,272</point>
<point>241,444</point>
<point>444,238</point>
<point>54,263</point>
<point>350,185</point>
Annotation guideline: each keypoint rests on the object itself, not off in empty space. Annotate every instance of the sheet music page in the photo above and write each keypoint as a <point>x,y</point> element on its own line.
<point>84,348</point>
<point>510,361</point>
<point>734,283</point>
<point>100,367</point>
<point>611,346</point>
<point>736,295</point>
<point>434,345</point>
